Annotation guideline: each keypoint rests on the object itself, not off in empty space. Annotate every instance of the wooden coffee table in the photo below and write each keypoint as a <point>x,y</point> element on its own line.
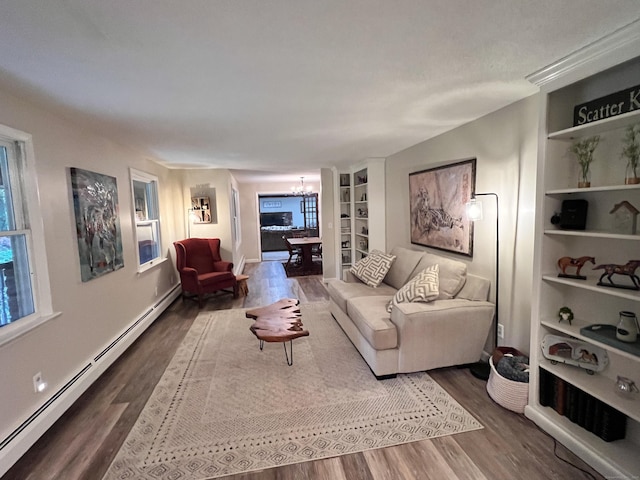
<point>278,322</point>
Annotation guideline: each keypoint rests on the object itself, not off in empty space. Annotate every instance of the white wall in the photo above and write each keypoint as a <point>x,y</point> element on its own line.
<point>217,184</point>
<point>327,218</point>
<point>505,145</point>
<point>95,312</point>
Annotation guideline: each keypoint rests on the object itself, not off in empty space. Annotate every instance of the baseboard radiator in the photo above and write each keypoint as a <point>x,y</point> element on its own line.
<point>28,432</point>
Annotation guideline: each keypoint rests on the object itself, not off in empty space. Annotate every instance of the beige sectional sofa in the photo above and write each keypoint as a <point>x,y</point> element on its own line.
<point>415,336</point>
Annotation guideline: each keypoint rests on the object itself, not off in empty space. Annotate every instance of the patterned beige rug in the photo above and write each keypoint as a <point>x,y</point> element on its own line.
<point>224,407</point>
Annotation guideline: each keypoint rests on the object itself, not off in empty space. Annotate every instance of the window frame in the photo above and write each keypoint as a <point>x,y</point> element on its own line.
<point>34,234</point>
<point>155,223</point>
<point>235,213</point>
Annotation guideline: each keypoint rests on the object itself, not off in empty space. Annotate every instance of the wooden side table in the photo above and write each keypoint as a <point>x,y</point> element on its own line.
<point>243,288</point>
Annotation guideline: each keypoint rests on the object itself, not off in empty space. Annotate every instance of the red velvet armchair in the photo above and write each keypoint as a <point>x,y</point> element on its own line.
<point>201,268</point>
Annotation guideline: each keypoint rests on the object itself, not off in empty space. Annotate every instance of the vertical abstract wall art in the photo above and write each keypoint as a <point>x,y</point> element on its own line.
<point>95,201</point>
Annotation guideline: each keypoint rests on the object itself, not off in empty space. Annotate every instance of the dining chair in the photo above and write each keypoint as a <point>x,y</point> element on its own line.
<point>294,253</point>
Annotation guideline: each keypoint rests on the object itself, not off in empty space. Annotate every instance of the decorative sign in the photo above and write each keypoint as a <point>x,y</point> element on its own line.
<point>271,204</point>
<point>617,103</point>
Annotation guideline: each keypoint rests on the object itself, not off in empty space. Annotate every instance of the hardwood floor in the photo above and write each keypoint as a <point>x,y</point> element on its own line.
<point>83,442</point>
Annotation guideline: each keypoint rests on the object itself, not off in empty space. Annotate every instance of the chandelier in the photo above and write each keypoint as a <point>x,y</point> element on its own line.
<point>301,189</point>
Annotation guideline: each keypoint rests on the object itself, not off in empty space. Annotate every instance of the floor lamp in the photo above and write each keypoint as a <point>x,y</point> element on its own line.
<point>482,370</point>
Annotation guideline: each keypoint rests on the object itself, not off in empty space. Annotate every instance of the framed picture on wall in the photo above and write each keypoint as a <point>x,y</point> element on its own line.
<point>437,198</point>
<point>95,202</point>
<point>201,209</point>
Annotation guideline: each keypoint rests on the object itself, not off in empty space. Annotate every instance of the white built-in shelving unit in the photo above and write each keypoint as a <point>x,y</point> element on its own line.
<point>345,211</point>
<point>361,193</point>
<point>601,69</point>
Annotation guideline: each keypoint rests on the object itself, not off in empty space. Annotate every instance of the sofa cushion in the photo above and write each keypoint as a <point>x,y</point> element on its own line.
<point>452,274</point>
<point>340,291</point>
<point>421,288</point>
<point>475,288</point>
<point>373,268</point>
<point>402,267</point>
<point>371,319</point>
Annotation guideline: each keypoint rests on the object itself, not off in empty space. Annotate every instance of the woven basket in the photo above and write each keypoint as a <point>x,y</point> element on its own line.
<point>507,393</point>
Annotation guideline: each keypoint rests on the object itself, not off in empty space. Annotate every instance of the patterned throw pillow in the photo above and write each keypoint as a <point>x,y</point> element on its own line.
<point>424,287</point>
<point>373,268</point>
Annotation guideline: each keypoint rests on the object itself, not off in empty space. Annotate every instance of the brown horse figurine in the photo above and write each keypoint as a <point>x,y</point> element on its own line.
<point>565,262</point>
<point>628,269</point>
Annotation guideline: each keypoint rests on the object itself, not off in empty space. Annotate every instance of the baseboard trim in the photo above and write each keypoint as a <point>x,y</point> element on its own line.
<point>16,444</point>
<point>240,267</point>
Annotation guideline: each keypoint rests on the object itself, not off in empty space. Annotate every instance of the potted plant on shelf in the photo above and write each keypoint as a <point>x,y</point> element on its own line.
<point>631,151</point>
<point>583,150</point>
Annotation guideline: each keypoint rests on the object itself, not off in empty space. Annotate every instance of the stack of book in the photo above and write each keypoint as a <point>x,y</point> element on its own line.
<point>581,408</point>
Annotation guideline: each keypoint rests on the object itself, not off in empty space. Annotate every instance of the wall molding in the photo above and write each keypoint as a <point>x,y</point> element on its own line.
<point>612,49</point>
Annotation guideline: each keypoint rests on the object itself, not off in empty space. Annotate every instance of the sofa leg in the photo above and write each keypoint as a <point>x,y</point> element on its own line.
<point>385,377</point>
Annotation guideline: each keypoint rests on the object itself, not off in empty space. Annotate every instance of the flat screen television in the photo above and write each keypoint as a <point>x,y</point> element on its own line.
<point>279,219</point>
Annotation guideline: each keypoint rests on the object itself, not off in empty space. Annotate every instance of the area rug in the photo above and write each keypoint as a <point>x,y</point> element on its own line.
<point>294,270</point>
<point>224,407</point>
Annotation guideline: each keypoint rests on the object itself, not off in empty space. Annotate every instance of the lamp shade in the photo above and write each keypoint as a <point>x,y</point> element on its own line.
<point>474,210</point>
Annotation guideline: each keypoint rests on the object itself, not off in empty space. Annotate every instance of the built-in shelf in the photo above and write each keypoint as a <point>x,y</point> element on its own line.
<point>573,330</point>
<point>611,67</point>
<point>597,385</point>
<point>600,126</point>
<point>366,209</point>
<point>621,452</point>
<point>593,234</point>
<point>588,285</point>
<point>601,188</point>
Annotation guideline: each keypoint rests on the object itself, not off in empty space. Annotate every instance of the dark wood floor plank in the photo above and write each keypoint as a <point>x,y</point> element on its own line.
<point>355,466</point>
<point>87,444</point>
<point>510,446</point>
<point>456,457</point>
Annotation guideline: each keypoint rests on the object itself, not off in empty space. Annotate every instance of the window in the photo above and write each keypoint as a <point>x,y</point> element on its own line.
<point>25,299</point>
<point>309,207</point>
<point>15,274</point>
<point>147,215</point>
<point>235,200</point>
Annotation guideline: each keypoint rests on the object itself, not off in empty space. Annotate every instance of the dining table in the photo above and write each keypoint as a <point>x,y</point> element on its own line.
<point>306,244</point>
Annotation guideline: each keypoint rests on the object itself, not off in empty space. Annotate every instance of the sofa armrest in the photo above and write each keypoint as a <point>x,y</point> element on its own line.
<point>441,333</point>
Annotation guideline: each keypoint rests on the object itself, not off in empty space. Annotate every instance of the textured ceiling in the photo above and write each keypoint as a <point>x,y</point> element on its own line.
<point>286,85</point>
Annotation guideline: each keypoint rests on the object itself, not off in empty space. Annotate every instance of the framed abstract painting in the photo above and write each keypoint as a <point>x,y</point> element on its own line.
<point>437,198</point>
<point>95,201</point>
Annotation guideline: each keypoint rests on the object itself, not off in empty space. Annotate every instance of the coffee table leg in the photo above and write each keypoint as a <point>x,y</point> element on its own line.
<point>289,357</point>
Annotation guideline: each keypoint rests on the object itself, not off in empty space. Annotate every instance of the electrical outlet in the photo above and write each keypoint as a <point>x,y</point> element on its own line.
<point>500,330</point>
<point>39,385</point>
